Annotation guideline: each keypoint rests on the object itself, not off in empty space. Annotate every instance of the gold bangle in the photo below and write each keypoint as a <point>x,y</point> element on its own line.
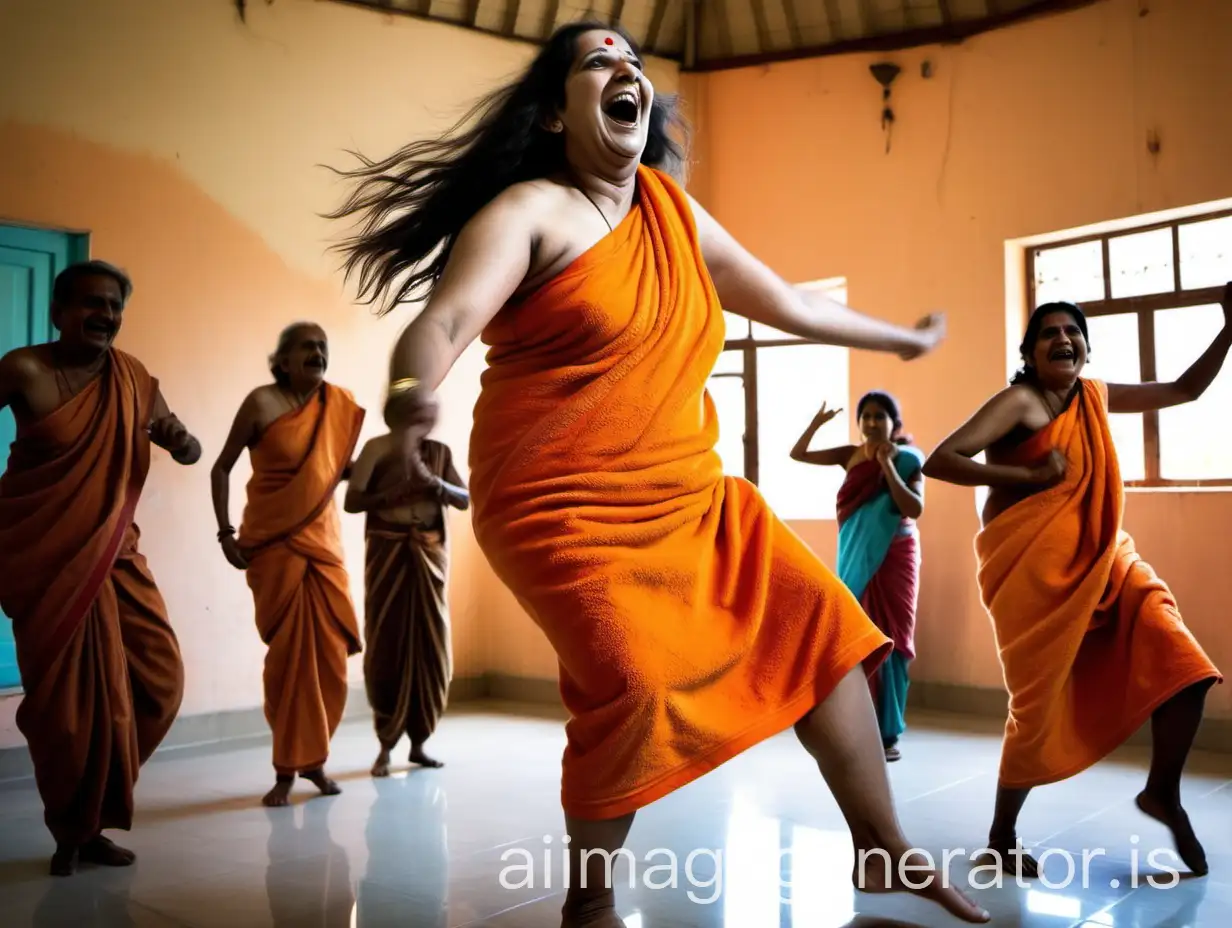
<point>403,385</point>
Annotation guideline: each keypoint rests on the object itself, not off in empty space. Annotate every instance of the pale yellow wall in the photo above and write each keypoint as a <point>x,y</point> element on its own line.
<point>188,144</point>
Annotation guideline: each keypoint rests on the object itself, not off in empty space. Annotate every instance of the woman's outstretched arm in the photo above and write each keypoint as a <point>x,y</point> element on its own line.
<point>750,289</point>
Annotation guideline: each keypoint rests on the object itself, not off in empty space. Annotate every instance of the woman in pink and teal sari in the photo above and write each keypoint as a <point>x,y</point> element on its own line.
<point>878,543</point>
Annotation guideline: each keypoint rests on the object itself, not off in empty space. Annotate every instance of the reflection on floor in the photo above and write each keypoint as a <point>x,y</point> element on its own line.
<point>757,844</point>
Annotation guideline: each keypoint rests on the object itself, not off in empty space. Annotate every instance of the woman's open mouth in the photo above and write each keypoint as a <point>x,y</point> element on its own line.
<point>623,109</point>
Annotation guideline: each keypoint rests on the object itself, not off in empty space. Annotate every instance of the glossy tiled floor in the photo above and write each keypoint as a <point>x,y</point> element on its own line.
<point>757,844</point>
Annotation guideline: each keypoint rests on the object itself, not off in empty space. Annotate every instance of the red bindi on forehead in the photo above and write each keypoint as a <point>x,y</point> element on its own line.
<point>609,41</point>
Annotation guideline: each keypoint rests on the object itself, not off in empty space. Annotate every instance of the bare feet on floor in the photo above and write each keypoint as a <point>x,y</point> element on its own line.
<point>280,795</point>
<point>381,767</point>
<point>419,757</point>
<point>594,910</point>
<point>1012,857</point>
<point>318,779</point>
<point>105,853</point>
<point>878,871</point>
<point>98,850</point>
<point>1170,814</point>
<point>64,861</point>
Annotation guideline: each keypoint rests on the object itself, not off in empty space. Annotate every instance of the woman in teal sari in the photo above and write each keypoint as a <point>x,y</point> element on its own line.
<point>878,543</point>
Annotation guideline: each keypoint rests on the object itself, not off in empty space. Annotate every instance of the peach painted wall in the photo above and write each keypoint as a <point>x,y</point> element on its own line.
<point>1025,131</point>
<point>187,144</point>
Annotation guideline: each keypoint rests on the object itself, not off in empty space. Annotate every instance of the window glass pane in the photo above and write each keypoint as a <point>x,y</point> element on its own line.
<point>737,326</point>
<point>1206,253</point>
<point>1114,358</point>
<point>1074,273</point>
<point>792,383</point>
<point>1141,263</point>
<point>728,394</point>
<point>1194,443</point>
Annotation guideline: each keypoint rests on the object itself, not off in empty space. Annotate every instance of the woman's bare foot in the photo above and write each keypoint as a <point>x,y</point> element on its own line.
<point>105,853</point>
<point>280,795</point>
<point>419,757</point>
<point>886,871</point>
<point>64,860</point>
<point>381,767</point>
<point>1170,814</point>
<point>590,910</point>
<point>318,779</point>
<point>1011,856</point>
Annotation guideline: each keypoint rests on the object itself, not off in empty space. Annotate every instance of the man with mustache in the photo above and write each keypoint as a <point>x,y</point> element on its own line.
<point>100,664</point>
<point>300,432</point>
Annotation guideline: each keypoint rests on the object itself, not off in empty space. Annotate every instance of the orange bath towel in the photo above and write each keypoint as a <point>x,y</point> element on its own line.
<point>100,665</point>
<point>1090,638</point>
<point>292,539</point>
<point>689,622</point>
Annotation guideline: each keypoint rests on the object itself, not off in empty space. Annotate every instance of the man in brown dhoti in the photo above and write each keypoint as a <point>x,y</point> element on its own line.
<point>408,658</point>
<point>100,664</point>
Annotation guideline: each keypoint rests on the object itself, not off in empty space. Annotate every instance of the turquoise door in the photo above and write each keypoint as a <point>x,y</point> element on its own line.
<point>30,259</point>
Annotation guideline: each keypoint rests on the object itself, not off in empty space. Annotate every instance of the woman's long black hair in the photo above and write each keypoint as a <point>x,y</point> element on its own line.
<point>1027,373</point>
<point>418,199</point>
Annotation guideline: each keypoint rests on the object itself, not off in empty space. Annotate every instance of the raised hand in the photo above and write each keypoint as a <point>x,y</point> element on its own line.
<point>824,415</point>
<point>930,331</point>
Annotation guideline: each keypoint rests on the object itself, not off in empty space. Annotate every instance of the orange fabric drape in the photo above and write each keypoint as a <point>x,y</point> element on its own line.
<point>292,538</point>
<point>100,664</point>
<point>690,623</point>
<point>1090,639</point>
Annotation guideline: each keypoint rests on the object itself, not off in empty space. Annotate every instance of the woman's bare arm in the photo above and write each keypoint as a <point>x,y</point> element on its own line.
<point>1143,397</point>
<point>828,456</point>
<point>908,495</point>
<point>490,259</point>
<point>952,462</point>
<point>243,430</point>
<point>750,289</point>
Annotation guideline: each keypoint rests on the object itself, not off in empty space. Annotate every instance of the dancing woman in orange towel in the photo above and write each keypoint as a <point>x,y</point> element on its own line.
<point>300,432</point>
<point>1091,641</point>
<point>100,665</point>
<point>879,502</point>
<point>690,624</point>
